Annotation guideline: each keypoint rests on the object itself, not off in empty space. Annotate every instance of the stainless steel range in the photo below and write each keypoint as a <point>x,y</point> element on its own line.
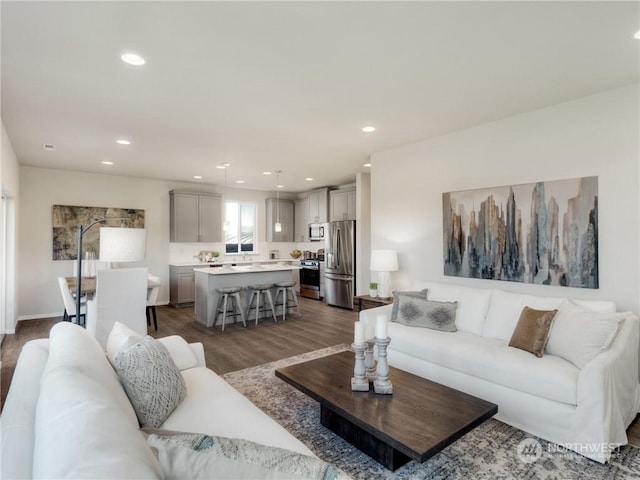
<point>310,278</point>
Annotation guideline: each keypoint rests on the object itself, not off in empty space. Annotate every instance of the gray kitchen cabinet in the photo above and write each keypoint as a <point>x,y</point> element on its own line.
<point>301,220</point>
<point>343,204</point>
<point>318,205</point>
<point>286,220</point>
<point>182,286</point>
<point>195,217</point>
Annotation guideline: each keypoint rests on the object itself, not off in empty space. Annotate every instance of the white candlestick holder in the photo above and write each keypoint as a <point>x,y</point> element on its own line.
<point>381,384</point>
<point>359,382</point>
<point>369,361</point>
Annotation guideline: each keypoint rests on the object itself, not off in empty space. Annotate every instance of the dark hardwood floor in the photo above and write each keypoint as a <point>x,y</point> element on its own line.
<point>237,347</point>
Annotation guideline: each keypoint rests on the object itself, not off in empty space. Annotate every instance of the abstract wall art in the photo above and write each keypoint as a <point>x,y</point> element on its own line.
<point>67,219</point>
<point>544,233</point>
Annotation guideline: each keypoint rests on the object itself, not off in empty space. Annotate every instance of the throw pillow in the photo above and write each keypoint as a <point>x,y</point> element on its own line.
<point>180,351</point>
<point>152,381</point>
<point>578,335</point>
<point>198,456</point>
<point>396,295</point>
<point>120,338</point>
<point>419,312</point>
<point>532,330</point>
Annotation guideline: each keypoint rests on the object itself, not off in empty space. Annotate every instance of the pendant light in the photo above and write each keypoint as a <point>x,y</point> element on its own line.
<point>278,225</point>
<point>225,224</point>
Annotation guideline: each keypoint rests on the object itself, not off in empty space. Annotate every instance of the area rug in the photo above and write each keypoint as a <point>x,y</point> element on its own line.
<point>494,450</point>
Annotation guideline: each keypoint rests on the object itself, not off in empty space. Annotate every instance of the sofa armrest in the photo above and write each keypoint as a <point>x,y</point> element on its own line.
<point>608,392</point>
<point>374,312</point>
<point>19,412</point>
<point>198,350</point>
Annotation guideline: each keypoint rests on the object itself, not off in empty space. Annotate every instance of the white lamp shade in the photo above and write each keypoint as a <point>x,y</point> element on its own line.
<point>384,261</point>
<point>119,244</point>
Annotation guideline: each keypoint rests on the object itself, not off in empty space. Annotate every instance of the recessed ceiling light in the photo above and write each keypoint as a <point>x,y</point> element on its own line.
<point>309,179</point>
<point>637,35</point>
<point>366,164</point>
<point>132,59</point>
<point>122,141</point>
<point>266,173</point>
<point>107,162</point>
<point>368,129</point>
<point>198,177</point>
<point>239,181</point>
<point>48,147</point>
<point>279,186</point>
<point>222,166</point>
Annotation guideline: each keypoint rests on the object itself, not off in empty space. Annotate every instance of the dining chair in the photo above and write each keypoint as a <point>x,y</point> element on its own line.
<point>121,296</point>
<point>70,303</point>
<point>152,298</point>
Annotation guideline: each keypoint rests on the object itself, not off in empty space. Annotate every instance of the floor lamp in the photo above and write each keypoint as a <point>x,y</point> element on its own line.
<point>383,262</point>
<point>81,231</point>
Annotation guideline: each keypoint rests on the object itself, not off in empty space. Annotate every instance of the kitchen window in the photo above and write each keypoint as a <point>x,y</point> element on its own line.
<point>240,237</point>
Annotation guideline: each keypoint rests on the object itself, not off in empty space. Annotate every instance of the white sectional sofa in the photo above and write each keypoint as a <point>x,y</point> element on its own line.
<point>583,409</point>
<point>68,416</point>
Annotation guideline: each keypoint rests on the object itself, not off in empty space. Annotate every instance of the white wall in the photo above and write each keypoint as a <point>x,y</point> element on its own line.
<point>597,135</point>
<point>40,189</point>
<point>10,189</point>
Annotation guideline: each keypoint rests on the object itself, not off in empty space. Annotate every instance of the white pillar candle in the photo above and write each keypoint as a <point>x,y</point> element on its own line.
<point>381,326</point>
<point>370,328</point>
<point>358,333</point>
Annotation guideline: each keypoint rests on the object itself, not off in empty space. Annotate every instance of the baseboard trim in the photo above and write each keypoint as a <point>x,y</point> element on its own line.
<point>39,315</point>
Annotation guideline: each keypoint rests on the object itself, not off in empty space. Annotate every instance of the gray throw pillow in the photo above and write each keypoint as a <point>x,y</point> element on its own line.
<point>151,379</point>
<point>394,310</point>
<point>420,312</point>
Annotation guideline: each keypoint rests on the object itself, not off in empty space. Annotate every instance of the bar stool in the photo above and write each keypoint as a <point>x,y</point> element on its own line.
<point>284,288</point>
<point>256,292</point>
<point>225,294</point>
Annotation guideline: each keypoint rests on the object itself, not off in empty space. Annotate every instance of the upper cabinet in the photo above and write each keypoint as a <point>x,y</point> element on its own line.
<point>286,220</point>
<point>195,217</point>
<point>343,204</point>
<point>301,221</point>
<point>318,206</point>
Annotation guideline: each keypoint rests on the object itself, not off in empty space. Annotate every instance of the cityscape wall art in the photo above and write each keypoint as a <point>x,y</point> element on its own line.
<point>544,233</point>
<point>67,219</point>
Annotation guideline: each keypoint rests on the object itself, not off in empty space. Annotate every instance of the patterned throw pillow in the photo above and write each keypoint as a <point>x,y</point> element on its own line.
<point>396,296</point>
<point>419,312</point>
<point>152,381</point>
<point>532,331</point>
<point>196,456</point>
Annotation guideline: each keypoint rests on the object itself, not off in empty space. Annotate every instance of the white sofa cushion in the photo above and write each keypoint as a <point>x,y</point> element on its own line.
<point>505,309</point>
<point>473,304</point>
<point>490,359</point>
<point>227,413</point>
<point>180,351</point>
<point>578,334</point>
<point>82,429</point>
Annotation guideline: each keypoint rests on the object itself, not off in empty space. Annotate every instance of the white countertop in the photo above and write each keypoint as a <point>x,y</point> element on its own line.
<point>250,268</point>
<point>196,263</point>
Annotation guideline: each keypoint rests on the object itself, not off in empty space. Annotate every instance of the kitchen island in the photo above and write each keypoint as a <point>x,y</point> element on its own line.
<point>208,279</point>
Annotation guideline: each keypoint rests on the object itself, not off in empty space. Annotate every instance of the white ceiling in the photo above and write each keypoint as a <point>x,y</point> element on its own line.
<point>288,86</point>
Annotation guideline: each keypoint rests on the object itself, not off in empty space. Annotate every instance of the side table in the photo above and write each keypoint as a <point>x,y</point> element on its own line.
<point>365,302</point>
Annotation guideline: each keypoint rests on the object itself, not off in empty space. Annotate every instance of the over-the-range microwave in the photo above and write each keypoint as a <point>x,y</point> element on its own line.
<point>316,232</point>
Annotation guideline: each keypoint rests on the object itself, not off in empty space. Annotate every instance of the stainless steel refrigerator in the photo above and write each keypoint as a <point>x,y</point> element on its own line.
<point>340,263</point>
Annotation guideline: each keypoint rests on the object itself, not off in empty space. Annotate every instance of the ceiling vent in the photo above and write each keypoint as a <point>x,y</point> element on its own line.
<point>48,147</point>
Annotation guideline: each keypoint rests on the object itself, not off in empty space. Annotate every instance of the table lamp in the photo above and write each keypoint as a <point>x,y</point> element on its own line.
<point>383,262</point>
<point>119,244</point>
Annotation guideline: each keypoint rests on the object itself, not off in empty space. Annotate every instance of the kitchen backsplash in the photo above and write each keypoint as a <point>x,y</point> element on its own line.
<point>188,252</point>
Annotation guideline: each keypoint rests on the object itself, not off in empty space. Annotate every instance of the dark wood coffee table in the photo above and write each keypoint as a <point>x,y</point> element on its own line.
<point>416,422</point>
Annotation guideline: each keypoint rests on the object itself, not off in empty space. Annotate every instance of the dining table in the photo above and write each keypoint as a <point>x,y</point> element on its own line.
<point>88,285</point>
